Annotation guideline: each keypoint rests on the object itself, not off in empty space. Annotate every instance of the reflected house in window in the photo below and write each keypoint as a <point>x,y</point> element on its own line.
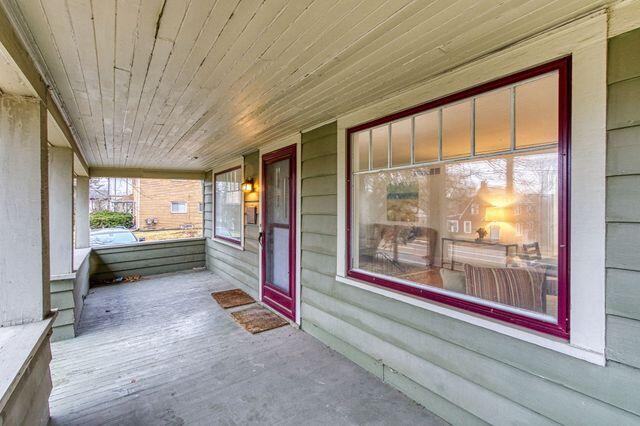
<point>534,212</point>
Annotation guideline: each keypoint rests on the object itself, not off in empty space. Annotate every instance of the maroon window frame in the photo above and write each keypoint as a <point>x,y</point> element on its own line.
<point>561,327</point>
<point>220,237</point>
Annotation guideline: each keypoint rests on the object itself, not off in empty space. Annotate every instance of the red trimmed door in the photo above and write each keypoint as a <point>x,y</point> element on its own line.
<point>278,233</point>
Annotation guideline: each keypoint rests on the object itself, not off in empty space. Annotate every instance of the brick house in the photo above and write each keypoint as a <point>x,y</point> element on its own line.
<point>167,203</point>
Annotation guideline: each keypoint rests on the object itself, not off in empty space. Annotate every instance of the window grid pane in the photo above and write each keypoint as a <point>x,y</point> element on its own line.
<point>228,205</point>
<point>536,105</point>
<point>493,122</point>
<point>380,147</point>
<point>456,130</point>
<point>401,140</point>
<point>427,139</point>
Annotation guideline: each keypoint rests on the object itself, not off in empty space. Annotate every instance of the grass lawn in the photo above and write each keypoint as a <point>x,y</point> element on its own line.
<point>171,234</point>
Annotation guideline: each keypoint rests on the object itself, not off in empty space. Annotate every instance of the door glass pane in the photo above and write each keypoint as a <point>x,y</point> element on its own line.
<point>380,147</point>
<point>277,224</point>
<point>426,144</point>
<point>401,142</point>
<point>456,130</point>
<point>493,128</point>
<point>537,112</point>
<point>361,151</point>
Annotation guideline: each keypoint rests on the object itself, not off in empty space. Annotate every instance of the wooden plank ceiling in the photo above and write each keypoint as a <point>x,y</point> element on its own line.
<point>188,83</point>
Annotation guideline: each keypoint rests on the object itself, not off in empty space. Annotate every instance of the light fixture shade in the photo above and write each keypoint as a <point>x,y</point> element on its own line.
<point>247,185</point>
<point>496,214</point>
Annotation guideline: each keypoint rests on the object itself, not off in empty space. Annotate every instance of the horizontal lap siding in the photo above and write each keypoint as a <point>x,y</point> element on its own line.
<point>147,259</point>
<point>623,200</point>
<point>466,374</point>
<point>239,267</point>
<point>62,299</point>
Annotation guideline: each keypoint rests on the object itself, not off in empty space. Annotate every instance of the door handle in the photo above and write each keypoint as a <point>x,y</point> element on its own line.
<point>260,237</point>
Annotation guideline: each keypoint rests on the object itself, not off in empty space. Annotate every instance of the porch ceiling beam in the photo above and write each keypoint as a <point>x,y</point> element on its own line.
<point>146,173</point>
<point>13,49</point>
<point>62,125</point>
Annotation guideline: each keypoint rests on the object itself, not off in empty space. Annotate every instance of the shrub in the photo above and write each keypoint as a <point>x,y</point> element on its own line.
<point>108,219</point>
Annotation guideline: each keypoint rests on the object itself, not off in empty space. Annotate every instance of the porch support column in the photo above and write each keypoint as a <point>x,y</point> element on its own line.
<point>61,211</point>
<point>24,245</point>
<point>82,212</point>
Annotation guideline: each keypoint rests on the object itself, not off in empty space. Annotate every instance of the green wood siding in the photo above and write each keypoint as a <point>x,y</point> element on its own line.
<point>623,200</point>
<point>62,299</point>
<point>147,258</point>
<point>468,374</point>
<point>67,296</point>
<point>239,267</point>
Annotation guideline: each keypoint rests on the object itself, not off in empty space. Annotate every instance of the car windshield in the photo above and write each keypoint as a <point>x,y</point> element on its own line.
<point>112,238</point>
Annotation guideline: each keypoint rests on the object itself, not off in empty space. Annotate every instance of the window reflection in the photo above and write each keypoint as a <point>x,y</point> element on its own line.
<point>483,228</point>
<point>493,122</point>
<point>401,142</point>
<point>228,205</point>
<point>380,147</point>
<point>537,112</point>
<point>456,130</point>
<point>426,134</point>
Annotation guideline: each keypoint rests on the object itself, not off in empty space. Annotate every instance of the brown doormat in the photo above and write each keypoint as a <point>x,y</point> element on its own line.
<point>257,319</point>
<point>232,298</point>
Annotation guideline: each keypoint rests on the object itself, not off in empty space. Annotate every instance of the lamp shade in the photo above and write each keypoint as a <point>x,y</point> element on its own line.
<point>247,185</point>
<point>496,214</point>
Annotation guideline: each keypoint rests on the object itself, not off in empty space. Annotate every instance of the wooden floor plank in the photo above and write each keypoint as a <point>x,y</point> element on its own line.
<point>161,351</point>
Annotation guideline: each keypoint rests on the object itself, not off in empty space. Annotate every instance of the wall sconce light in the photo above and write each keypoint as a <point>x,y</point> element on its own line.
<point>247,185</point>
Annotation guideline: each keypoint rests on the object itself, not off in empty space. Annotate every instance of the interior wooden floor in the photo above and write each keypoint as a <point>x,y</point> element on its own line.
<point>161,352</point>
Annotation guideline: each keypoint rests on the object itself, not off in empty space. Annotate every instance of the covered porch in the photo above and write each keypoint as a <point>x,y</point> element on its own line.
<point>348,154</point>
<point>161,351</point>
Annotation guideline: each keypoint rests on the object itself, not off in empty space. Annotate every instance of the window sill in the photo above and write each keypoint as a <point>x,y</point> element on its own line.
<point>539,339</point>
<point>237,246</point>
<point>18,345</point>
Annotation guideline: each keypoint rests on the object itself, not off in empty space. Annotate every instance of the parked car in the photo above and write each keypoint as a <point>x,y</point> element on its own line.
<point>112,236</point>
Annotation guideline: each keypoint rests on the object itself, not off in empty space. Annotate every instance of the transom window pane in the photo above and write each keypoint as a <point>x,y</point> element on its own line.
<point>228,205</point>
<point>380,147</point>
<point>426,134</point>
<point>401,142</point>
<point>361,150</point>
<point>456,130</point>
<point>537,112</point>
<point>493,122</point>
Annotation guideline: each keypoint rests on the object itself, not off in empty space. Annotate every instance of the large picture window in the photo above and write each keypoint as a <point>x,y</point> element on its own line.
<point>228,205</point>
<point>464,200</point>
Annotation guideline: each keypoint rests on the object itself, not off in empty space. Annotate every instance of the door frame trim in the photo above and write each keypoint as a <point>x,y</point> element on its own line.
<point>294,139</point>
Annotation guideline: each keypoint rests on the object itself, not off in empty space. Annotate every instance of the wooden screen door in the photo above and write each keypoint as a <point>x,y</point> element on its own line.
<point>278,233</point>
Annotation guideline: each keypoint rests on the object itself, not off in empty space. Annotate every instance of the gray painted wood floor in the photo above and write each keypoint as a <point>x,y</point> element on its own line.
<point>161,352</point>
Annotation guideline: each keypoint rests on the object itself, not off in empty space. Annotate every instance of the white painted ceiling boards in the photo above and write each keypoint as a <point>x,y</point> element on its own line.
<point>184,84</point>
